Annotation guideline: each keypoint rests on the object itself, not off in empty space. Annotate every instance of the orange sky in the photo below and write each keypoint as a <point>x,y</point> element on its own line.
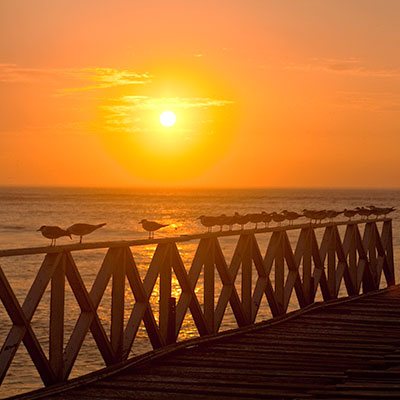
<point>267,93</point>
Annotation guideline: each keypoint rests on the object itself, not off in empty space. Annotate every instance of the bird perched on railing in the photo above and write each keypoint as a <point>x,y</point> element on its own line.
<point>388,210</point>
<point>255,218</point>
<point>241,219</point>
<point>53,233</point>
<point>279,218</point>
<point>381,210</point>
<point>222,220</point>
<point>266,218</point>
<point>331,214</point>
<point>208,222</point>
<point>309,214</point>
<point>349,213</point>
<point>320,215</point>
<point>364,212</point>
<point>377,211</point>
<point>290,216</point>
<point>83,229</point>
<point>151,226</point>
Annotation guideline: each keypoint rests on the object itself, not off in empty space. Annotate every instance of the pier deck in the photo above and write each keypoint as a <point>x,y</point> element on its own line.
<point>347,348</point>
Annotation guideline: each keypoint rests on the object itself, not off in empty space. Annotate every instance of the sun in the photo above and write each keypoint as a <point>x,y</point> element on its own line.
<point>167,118</point>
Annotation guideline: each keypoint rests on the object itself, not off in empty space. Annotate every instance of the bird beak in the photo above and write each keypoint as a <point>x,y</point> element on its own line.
<point>37,230</point>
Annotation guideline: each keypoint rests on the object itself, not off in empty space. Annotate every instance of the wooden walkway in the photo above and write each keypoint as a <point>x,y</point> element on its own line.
<point>343,349</point>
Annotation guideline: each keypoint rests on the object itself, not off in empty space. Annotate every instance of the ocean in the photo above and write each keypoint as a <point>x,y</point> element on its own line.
<point>23,210</point>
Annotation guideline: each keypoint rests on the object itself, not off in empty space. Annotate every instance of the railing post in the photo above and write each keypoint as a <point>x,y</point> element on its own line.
<point>308,283</point>
<point>117,305</point>
<point>171,320</point>
<point>280,275</point>
<point>209,289</point>
<point>332,262</point>
<point>387,241</point>
<point>247,280</point>
<point>165,292</point>
<point>56,339</point>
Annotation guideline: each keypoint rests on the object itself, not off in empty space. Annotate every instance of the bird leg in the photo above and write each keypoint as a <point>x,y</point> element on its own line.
<point>80,239</point>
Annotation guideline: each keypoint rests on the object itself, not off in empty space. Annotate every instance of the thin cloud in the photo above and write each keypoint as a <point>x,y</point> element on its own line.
<point>369,101</point>
<point>126,114</point>
<point>350,66</point>
<point>155,103</point>
<point>79,79</point>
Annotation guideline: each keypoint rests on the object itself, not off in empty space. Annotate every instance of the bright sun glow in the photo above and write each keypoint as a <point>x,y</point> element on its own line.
<point>167,118</point>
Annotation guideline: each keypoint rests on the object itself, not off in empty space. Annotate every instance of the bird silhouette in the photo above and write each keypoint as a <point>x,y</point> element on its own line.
<point>83,229</point>
<point>291,216</point>
<point>256,218</point>
<point>266,218</point>
<point>364,212</point>
<point>151,226</point>
<point>208,222</point>
<point>279,218</point>
<point>320,215</point>
<point>53,233</point>
<point>331,214</point>
<point>388,210</point>
<point>349,213</point>
<point>222,220</point>
<point>310,214</point>
<point>241,220</point>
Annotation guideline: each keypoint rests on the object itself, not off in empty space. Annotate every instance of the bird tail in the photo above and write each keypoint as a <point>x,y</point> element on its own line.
<point>165,225</point>
<point>100,225</point>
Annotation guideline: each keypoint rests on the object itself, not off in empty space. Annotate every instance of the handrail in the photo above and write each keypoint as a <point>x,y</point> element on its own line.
<point>177,239</point>
<point>358,259</point>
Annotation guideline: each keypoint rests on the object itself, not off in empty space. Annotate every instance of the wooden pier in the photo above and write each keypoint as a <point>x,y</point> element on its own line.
<point>325,349</point>
<point>341,349</point>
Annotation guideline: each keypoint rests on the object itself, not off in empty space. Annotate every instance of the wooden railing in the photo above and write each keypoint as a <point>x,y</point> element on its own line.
<point>358,259</point>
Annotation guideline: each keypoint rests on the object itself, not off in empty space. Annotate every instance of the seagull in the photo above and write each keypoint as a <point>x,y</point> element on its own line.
<point>83,229</point>
<point>278,218</point>
<point>151,226</point>
<point>241,219</point>
<point>266,218</point>
<point>53,233</point>
<point>365,212</point>
<point>208,222</point>
<point>388,210</point>
<point>320,215</point>
<point>349,213</point>
<point>223,220</point>
<point>309,214</point>
<point>256,218</point>
<point>331,214</point>
<point>377,211</point>
<point>291,216</point>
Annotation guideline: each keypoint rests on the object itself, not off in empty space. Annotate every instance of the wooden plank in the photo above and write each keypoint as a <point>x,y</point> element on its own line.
<point>88,317</point>
<point>247,263</point>
<point>118,304</point>
<point>175,239</point>
<point>142,309</point>
<point>280,275</point>
<point>188,295</point>
<point>209,288</point>
<point>293,267</point>
<point>387,242</point>
<point>263,285</point>
<point>304,250</point>
<point>228,277</point>
<point>24,315</point>
<point>165,293</point>
<point>56,339</point>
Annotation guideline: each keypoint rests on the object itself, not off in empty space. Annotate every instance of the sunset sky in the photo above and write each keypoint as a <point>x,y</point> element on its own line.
<point>274,93</point>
